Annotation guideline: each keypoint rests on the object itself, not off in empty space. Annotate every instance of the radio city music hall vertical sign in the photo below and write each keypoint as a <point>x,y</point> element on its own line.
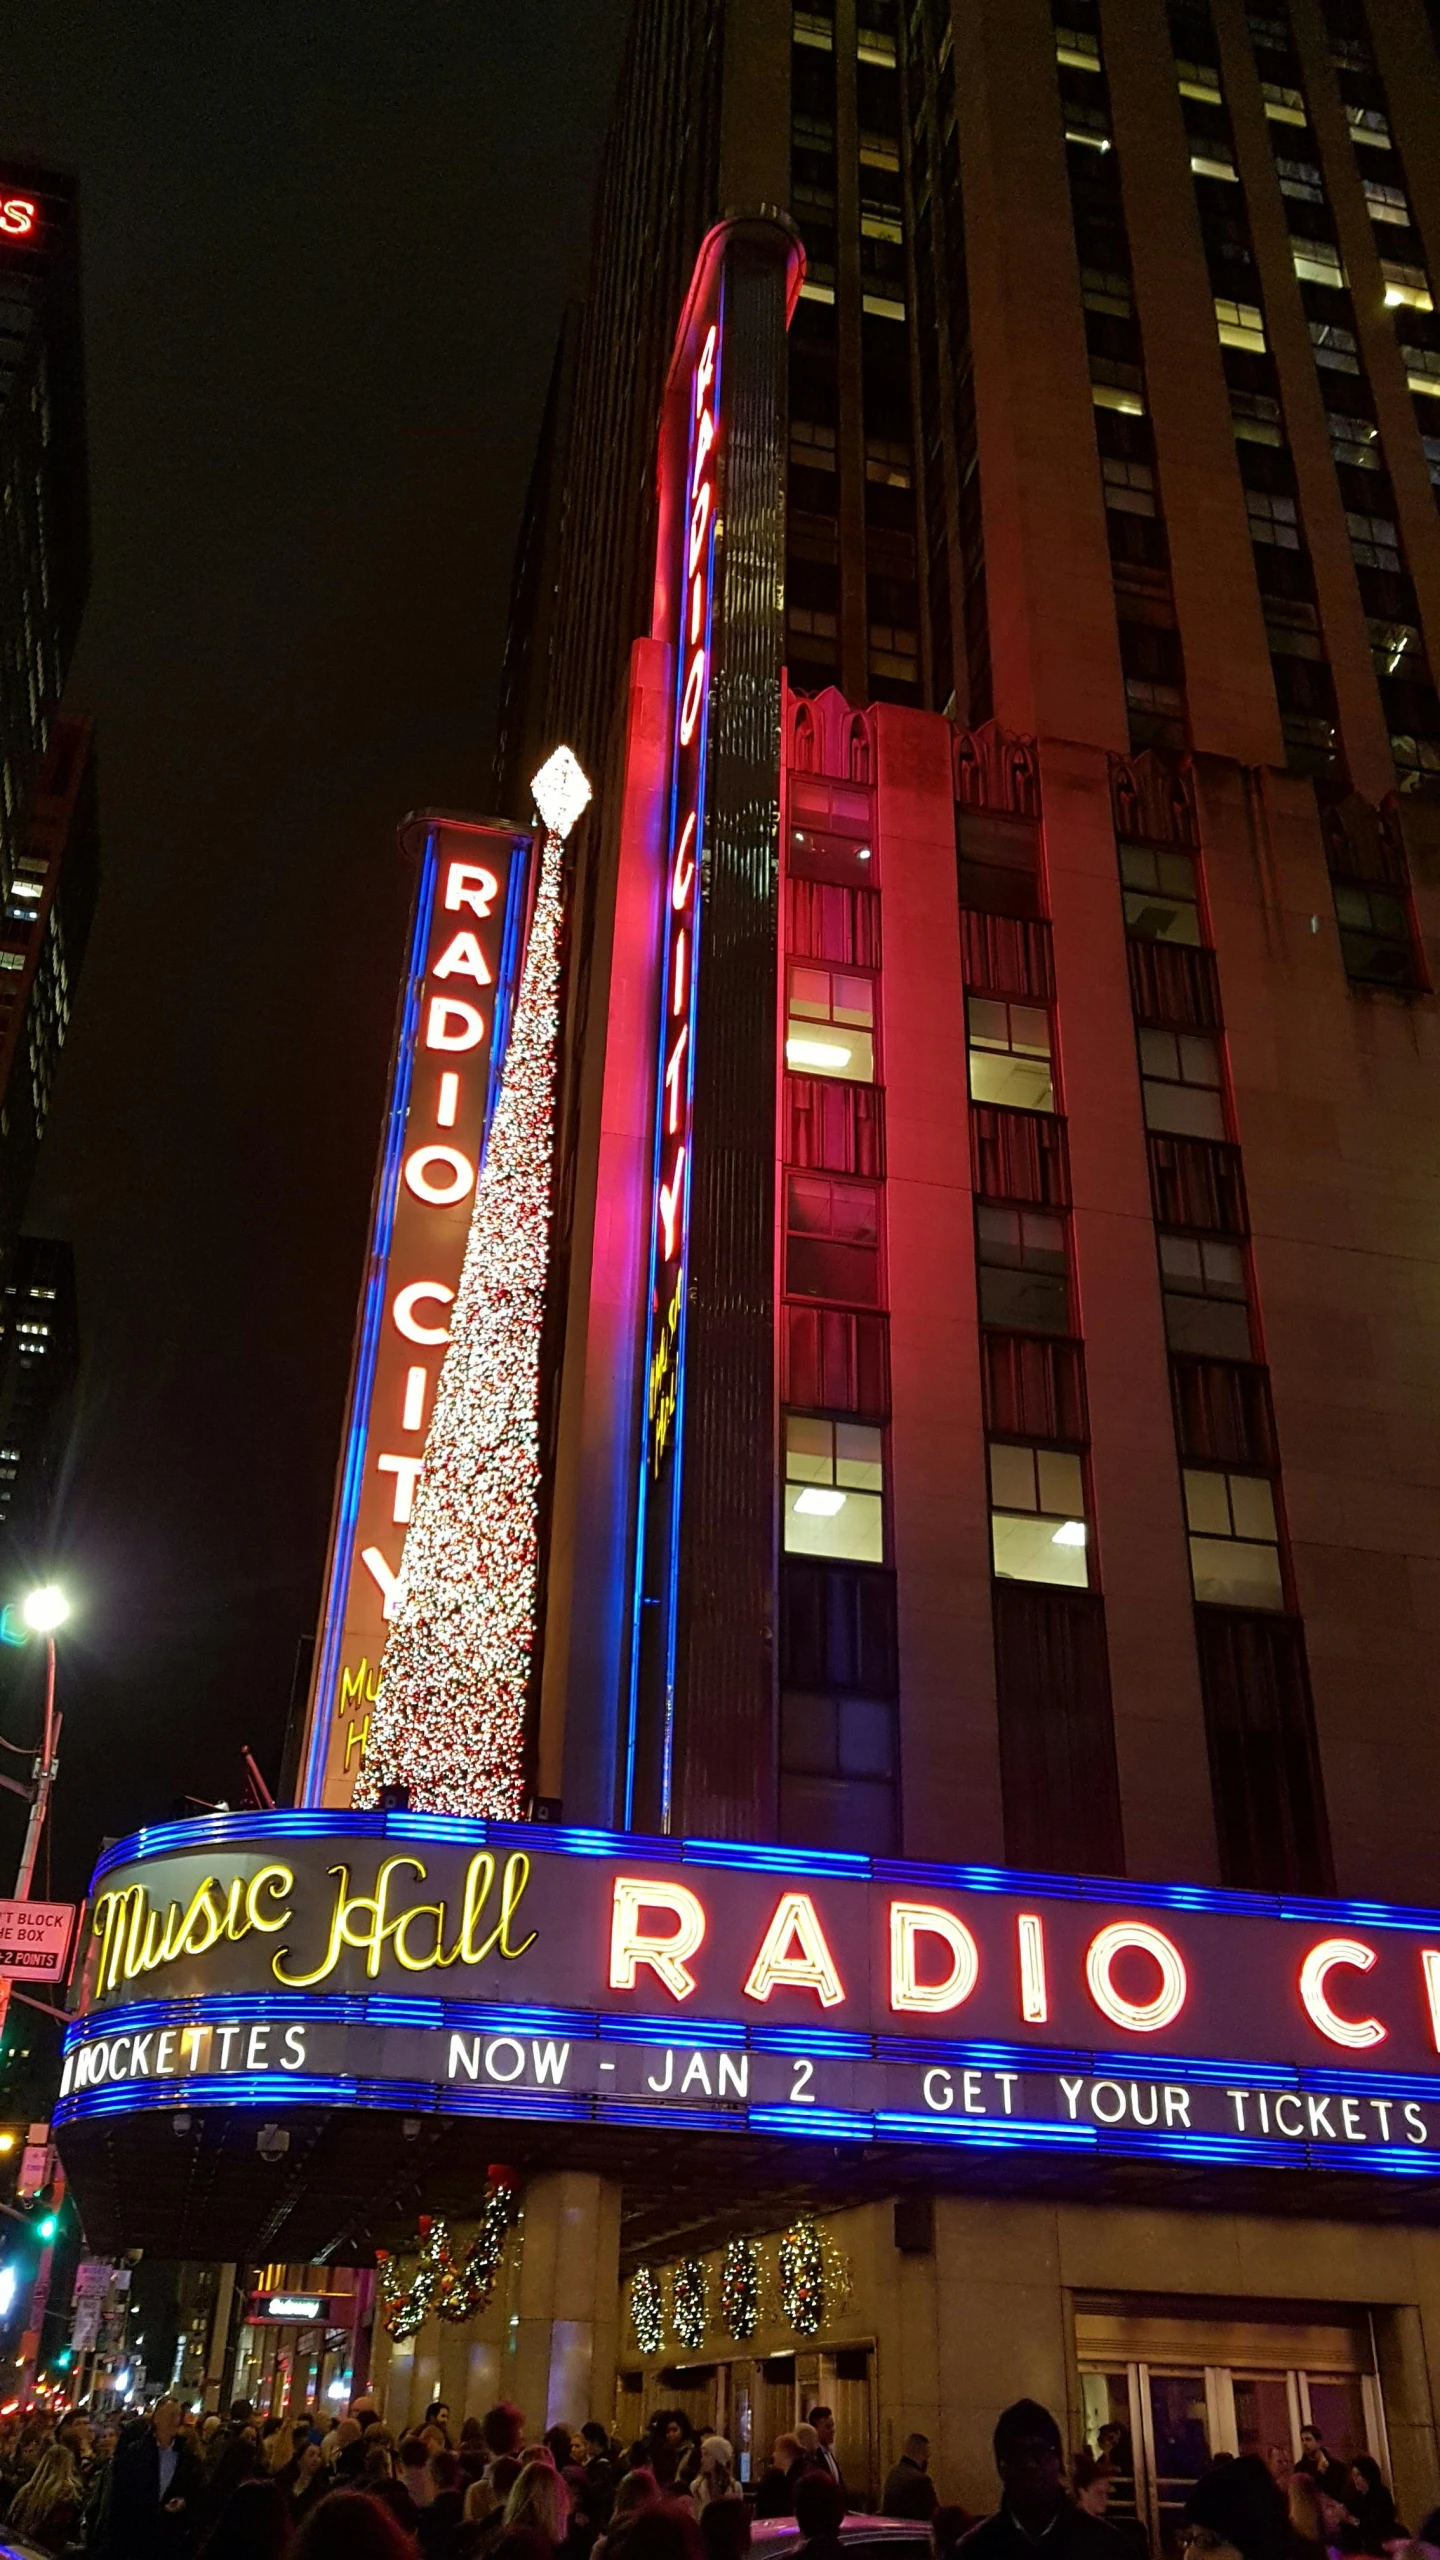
<point>467,930</point>
<point>719,571</point>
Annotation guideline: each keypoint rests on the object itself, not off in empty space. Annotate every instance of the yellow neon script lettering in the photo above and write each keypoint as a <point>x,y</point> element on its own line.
<point>136,1937</point>
<point>364,1921</point>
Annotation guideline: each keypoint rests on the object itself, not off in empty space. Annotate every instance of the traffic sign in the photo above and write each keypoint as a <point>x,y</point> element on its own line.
<point>35,1940</point>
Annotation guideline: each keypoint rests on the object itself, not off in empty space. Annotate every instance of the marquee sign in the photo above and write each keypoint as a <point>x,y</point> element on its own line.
<point>418,1963</point>
<point>466,933</point>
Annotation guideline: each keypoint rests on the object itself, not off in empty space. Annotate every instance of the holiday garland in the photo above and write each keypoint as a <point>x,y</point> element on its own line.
<point>740,2289</point>
<point>439,2286</point>
<point>647,2310</point>
<point>690,2301</point>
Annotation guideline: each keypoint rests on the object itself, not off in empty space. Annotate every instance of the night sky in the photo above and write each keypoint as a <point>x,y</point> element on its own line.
<point>327,244</point>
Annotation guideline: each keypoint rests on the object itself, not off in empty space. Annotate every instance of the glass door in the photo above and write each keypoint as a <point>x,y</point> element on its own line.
<point>1177,2419</point>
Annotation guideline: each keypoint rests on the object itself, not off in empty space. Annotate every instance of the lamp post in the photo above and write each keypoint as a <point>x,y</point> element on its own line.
<point>43,1611</point>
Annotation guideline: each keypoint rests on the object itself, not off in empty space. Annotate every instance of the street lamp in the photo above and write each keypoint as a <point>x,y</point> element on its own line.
<point>43,1611</point>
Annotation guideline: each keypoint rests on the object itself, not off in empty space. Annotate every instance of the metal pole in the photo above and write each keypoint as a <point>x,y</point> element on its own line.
<point>44,1780</point>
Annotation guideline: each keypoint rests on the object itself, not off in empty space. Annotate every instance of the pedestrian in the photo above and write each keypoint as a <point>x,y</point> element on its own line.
<point>775,2495</point>
<point>715,2476</point>
<point>599,2443</point>
<point>304,2481</point>
<point>47,2509</point>
<point>909,2489</point>
<point>725,2529</point>
<point>636,2491</point>
<point>1242,2503</point>
<point>1309,2521</point>
<point>539,2503</point>
<point>438,2415</point>
<point>155,2490</point>
<point>444,2509</point>
<point>253,2525</point>
<point>1090,2478</point>
<point>664,2530</point>
<point>949,2525</point>
<point>502,2431</point>
<point>668,2441</point>
<point>481,2519</point>
<point>1369,2502</point>
<point>349,2526</point>
<point>561,2442</point>
<point>819,2513</point>
<point>1034,2502</point>
<point>413,2467</point>
<point>823,2422</point>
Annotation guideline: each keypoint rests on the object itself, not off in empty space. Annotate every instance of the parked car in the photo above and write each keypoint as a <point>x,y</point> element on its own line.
<point>863,2537</point>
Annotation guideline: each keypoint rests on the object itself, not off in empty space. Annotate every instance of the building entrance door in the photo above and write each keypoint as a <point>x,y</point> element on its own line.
<point>1161,2415</point>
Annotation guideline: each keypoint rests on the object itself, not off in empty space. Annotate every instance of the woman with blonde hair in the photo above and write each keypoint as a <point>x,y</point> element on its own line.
<point>47,2509</point>
<point>279,2448</point>
<point>539,2503</point>
<point>715,2477</point>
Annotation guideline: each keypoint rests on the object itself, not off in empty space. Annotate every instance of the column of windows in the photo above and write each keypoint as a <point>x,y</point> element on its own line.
<point>1061,1798</point>
<point>1377,545</point>
<point>1304,687</point>
<point>1264,1766</point>
<point>812,562</point>
<point>839,1667</point>
<point>1150,645</point>
<point>949,469</point>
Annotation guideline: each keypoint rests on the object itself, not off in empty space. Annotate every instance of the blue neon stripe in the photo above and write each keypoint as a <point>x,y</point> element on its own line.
<point>826,2124</point>
<point>987,2131</point>
<point>638,1849</point>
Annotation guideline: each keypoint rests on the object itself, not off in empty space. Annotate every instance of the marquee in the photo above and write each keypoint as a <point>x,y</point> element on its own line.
<point>427,1964</point>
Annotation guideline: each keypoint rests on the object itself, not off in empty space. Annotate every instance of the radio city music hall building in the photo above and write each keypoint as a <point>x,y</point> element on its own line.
<point>876,1656</point>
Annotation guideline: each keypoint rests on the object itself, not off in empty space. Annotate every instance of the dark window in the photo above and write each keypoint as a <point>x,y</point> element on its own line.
<point>826,921</point>
<point>1173,985</point>
<point>1196,1182</point>
<point>837,1125</point>
<point>833,1361</point>
<point>1376,942</point>
<point>1203,1287</point>
<point>1057,1743</point>
<point>838,1773</point>
<point>999,863</point>
<point>1006,956</point>
<point>1021,1259</point>
<point>838,1629</point>
<point>1264,1767</point>
<point>832,1247</point>
<point>1222,1412</point>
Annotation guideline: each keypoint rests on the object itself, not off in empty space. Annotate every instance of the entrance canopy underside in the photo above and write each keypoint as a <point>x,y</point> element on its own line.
<point>193,2184</point>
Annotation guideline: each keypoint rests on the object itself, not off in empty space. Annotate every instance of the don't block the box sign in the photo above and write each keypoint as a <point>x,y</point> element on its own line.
<point>408,1961</point>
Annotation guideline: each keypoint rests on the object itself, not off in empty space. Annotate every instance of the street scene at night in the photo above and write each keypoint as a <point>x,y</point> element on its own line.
<point>720,1280</point>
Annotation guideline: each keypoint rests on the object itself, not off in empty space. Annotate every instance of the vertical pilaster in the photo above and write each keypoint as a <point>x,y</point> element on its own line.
<point>564,2339</point>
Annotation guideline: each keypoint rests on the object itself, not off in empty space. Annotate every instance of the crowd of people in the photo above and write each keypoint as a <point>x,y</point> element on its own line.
<point>163,2487</point>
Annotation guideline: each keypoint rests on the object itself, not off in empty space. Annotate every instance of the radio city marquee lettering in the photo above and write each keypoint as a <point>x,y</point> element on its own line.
<point>406,1961</point>
<point>464,945</point>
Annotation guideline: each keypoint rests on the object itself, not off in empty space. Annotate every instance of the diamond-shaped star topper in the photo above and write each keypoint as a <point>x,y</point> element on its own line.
<point>561,791</point>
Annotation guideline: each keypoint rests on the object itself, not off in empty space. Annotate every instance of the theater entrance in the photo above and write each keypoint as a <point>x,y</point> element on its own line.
<point>1165,2390</point>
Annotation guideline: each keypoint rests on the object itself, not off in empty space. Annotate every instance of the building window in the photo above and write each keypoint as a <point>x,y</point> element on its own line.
<point>1374,542</point>
<point>1375,939</point>
<point>833,1489</point>
<point>1240,324</point>
<point>1180,1081</point>
<point>1161,900</point>
<point>1317,262</point>
<point>1129,486</point>
<point>1021,1256</point>
<point>1234,1540</point>
<point>832,1245</point>
<point>830,1029</point>
<point>1272,519</point>
<point>1037,1515</point>
<point>1202,1282</point>
<point>1300,180</point>
<point>1010,1054</point>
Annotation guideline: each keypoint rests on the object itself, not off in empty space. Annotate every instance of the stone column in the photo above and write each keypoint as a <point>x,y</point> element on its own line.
<point>564,2335</point>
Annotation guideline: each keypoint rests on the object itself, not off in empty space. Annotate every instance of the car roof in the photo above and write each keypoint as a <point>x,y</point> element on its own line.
<point>768,2531</point>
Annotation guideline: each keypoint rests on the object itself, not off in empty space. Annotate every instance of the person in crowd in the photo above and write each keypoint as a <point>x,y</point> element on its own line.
<point>1091,2477</point>
<point>348,2525</point>
<point>502,2431</point>
<point>909,2489</point>
<point>364,2411</point>
<point>278,2446</point>
<point>438,2415</point>
<point>560,2443</point>
<point>539,2503</point>
<point>775,2492</point>
<point>823,2422</point>
<point>948,2526</point>
<point>413,2467</point>
<point>669,2443</point>
<point>155,2490</point>
<point>254,2524</point>
<point>637,2455</point>
<point>444,2509</point>
<point>1369,2504</point>
<point>481,2518</point>
<point>47,2509</point>
<point>599,2443</point>
<point>664,2530</point>
<point>339,2442</point>
<point>378,2481</point>
<point>1034,2500</point>
<point>1242,2503</point>
<point>304,2481</point>
<point>715,2473</point>
<point>590,2503</point>
<point>1320,2462</point>
<point>637,2490</point>
<point>725,2529</point>
<point>1309,2522</point>
<point>1429,2532</point>
<point>519,2542</point>
<point>472,2451</point>
<point>819,2513</point>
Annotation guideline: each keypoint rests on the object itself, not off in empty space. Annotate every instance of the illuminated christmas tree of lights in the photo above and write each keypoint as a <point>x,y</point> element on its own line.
<point>449,1717</point>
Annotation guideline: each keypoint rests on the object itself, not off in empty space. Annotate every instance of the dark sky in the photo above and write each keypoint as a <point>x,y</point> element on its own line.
<point>326,244</point>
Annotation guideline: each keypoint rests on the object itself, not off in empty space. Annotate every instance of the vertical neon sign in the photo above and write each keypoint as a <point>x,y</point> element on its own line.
<point>695,537</point>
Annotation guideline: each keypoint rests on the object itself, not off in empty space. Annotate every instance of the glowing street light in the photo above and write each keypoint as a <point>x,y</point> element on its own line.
<point>45,1610</point>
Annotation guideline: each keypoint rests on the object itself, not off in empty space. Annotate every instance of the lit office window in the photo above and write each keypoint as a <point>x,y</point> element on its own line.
<point>834,1489</point>
<point>1010,1054</point>
<point>830,1029</point>
<point>1037,1515</point>
<point>1234,1539</point>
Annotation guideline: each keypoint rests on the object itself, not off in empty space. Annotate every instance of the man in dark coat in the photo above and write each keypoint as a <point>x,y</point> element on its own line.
<point>909,2489</point>
<point>154,2491</point>
<point>1036,2507</point>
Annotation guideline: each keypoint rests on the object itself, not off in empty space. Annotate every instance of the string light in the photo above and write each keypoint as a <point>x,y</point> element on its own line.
<point>740,2289</point>
<point>690,2302</point>
<point>814,2276</point>
<point>439,2286</point>
<point>448,1721</point>
<point>647,2310</point>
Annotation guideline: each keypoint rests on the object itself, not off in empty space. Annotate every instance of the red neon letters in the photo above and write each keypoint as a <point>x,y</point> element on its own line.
<point>1315,1973</point>
<point>18,216</point>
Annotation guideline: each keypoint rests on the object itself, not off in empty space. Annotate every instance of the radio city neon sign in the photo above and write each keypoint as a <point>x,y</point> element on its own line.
<point>935,1964</point>
<point>464,942</point>
<point>18,216</point>
<point>680,937</point>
